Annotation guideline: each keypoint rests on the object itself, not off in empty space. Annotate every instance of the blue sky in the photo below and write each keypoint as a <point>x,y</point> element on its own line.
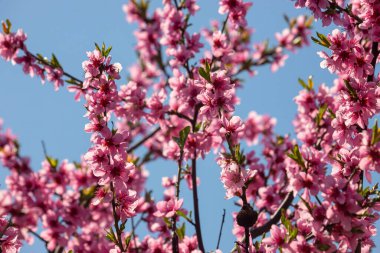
<point>69,29</point>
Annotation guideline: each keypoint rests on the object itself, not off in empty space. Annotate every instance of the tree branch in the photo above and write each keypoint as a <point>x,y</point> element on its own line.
<point>142,141</point>
<point>221,228</point>
<point>116,220</point>
<point>255,232</point>
<point>198,229</point>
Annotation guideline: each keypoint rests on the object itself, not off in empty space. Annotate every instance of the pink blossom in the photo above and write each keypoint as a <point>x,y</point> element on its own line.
<point>168,208</point>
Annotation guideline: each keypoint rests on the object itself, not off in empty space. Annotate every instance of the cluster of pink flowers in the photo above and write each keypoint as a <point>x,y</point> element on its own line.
<point>58,196</point>
<point>13,48</point>
<point>9,237</point>
<point>306,194</point>
<point>107,157</point>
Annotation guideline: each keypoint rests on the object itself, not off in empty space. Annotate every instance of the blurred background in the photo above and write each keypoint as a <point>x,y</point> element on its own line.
<point>69,28</point>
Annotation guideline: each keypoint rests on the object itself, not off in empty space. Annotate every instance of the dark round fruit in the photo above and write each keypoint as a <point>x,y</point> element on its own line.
<point>246,217</point>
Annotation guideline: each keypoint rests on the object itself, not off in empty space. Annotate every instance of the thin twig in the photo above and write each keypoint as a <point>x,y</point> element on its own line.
<point>221,228</point>
<point>116,220</point>
<point>38,236</point>
<point>43,62</point>
<point>198,229</point>
<point>180,115</point>
<point>175,245</point>
<point>142,141</point>
<point>137,249</point>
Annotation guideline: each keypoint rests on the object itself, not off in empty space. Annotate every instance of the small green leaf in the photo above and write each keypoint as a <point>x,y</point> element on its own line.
<point>208,67</point>
<point>309,85</point>
<point>177,140</point>
<point>303,84</point>
<point>285,221</point>
<point>103,48</point>
<point>54,61</point>
<point>97,47</point>
<point>181,140</point>
<point>309,22</point>
<point>320,114</point>
<point>375,134</point>
<point>351,90</point>
<point>203,73</point>
<point>357,230</point>
<point>287,20</point>
<point>292,234</point>
<point>306,204</point>
<point>111,236</point>
<point>7,25</point>
<point>322,247</point>
<point>310,82</point>
<point>128,241</point>
<point>297,157</point>
<point>198,127</point>
<point>52,161</point>
<point>122,226</point>
<point>167,222</point>
<point>324,39</point>
<point>181,231</point>
<point>71,81</point>
<point>321,40</point>
<point>107,52</point>
<point>332,114</point>
<point>182,214</point>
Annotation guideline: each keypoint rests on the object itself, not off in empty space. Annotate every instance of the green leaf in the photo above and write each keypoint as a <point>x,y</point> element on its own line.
<point>292,234</point>
<point>285,221</point>
<point>181,231</point>
<point>357,230</point>
<point>181,140</point>
<point>167,222</point>
<point>128,241</point>
<point>351,90</point>
<point>203,73</point>
<point>310,82</point>
<point>71,81</point>
<point>320,114</point>
<point>321,40</point>
<point>375,134</point>
<point>322,247</point>
<point>208,67</point>
<point>97,47</point>
<point>177,140</point>
<point>107,51</point>
<point>182,214</point>
<point>287,20</point>
<point>111,236</point>
<point>324,39</point>
<point>7,25</point>
<point>309,22</point>
<point>332,114</point>
<point>52,161</point>
<point>297,157</point>
<point>309,85</point>
<point>122,226</point>
<point>54,61</point>
<point>198,127</point>
<point>303,84</point>
<point>306,204</point>
<point>103,48</point>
